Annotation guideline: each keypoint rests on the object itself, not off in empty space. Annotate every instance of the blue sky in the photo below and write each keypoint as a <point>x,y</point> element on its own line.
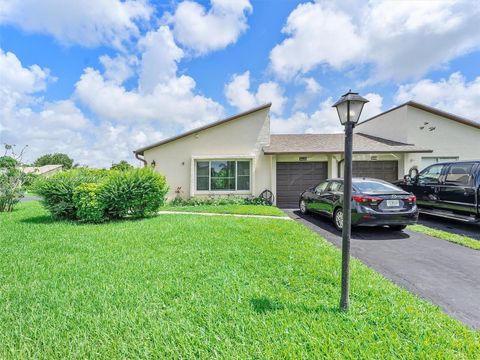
<point>99,78</point>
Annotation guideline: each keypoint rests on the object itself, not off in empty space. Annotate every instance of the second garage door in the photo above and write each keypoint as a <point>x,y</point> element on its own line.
<point>294,177</point>
<point>385,170</point>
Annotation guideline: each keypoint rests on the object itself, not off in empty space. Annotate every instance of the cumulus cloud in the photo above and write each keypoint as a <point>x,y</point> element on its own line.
<point>316,35</point>
<point>160,55</point>
<point>171,104</point>
<point>60,126</point>
<point>455,94</point>
<point>324,119</point>
<point>18,80</point>
<point>398,39</point>
<point>239,95</point>
<point>203,31</point>
<point>119,68</point>
<point>311,90</point>
<point>87,22</point>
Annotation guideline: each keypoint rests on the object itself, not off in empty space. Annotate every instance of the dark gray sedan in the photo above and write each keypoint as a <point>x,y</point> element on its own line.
<point>374,203</point>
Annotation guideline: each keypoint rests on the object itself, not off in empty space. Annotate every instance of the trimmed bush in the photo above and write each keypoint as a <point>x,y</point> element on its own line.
<point>85,200</point>
<point>57,191</point>
<point>136,193</point>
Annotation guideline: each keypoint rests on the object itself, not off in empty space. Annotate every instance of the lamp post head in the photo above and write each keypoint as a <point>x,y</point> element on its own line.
<point>349,107</point>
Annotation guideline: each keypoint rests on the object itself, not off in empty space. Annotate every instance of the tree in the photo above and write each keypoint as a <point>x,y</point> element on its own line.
<point>55,159</point>
<point>8,162</point>
<point>12,179</point>
<point>122,166</point>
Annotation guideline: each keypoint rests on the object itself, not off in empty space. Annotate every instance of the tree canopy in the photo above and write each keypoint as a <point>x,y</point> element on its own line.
<point>55,159</point>
<point>7,162</point>
<point>122,166</point>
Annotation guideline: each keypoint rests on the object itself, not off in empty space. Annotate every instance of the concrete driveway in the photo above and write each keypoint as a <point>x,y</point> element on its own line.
<point>444,273</point>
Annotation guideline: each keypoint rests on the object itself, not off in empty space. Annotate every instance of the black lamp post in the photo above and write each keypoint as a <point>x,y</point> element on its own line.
<point>349,108</point>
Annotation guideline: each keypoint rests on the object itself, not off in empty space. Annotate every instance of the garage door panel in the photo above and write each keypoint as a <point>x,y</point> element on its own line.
<point>294,177</point>
<point>385,170</point>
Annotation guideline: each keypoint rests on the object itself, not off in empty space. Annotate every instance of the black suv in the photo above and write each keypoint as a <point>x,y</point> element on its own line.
<point>449,190</point>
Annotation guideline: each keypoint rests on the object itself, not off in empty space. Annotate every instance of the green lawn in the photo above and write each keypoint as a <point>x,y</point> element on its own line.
<point>230,209</point>
<point>201,287</point>
<point>458,239</point>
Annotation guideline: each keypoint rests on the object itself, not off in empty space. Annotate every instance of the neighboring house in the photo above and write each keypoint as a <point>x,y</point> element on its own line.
<point>238,155</point>
<point>45,170</point>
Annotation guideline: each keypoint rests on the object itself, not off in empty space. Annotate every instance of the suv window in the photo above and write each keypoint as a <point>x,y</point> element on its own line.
<point>321,187</point>
<point>335,186</point>
<point>431,174</point>
<point>459,174</point>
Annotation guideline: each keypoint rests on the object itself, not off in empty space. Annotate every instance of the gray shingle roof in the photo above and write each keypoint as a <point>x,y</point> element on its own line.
<point>334,143</point>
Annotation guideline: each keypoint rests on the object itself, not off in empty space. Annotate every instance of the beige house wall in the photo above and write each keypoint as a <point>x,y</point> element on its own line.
<point>242,138</point>
<point>448,139</point>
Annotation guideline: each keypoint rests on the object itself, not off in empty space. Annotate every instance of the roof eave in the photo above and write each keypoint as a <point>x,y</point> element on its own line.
<point>411,151</point>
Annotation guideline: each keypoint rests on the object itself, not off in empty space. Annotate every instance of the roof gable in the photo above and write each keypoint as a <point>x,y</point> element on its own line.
<point>431,110</point>
<point>205,127</point>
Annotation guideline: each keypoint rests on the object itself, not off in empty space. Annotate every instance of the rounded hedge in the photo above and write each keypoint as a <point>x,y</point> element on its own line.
<point>57,191</point>
<point>99,195</point>
<point>136,193</point>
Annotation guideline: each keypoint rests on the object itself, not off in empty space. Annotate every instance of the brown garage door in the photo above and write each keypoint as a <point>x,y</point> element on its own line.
<point>294,177</point>
<point>385,170</point>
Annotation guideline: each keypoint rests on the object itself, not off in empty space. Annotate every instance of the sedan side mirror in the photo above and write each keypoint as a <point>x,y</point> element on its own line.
<point>407,178</point>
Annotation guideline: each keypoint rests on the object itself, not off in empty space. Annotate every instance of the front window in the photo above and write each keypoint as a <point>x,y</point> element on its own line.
<point>223,175</point>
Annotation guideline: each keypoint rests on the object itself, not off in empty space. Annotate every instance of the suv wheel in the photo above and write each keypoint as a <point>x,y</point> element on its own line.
<point>338,219</point>
<point>303,206</point>
<point>398,227</point>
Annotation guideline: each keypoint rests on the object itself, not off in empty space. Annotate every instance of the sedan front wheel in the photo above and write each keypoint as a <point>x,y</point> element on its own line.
<point>303,206</point>
<point>338,219</point>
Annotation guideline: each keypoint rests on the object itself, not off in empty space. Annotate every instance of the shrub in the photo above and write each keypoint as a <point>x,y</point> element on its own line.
<point>87,204</point>
<point>219,200</point>
<point>136,193</point>
<point>57,191</point>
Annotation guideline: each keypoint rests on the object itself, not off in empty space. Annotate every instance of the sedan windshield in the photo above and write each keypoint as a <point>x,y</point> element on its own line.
<point>369,186</point>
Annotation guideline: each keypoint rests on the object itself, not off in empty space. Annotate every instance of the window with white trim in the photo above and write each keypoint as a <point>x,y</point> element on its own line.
<point>223,175</point>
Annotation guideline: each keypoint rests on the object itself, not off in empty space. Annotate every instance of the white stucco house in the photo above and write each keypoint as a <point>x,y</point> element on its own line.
<point>238,155</point>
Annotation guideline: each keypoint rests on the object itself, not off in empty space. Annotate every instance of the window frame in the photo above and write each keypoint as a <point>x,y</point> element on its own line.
<point>219,191</point>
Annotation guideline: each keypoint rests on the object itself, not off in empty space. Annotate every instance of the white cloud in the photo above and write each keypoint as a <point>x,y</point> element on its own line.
<point>324,120</point>
<point>454,95</point>
<point>86,22</point>
<point>170,104</point>
<point>311,90</point>
<point>119,68</point>
<point>160,55</point>
<point>316,35</point>
<point>62,127</point>
<point>399,39</point>
<point>17,79</point>
<point>203,31</point>
<point>239,95</point>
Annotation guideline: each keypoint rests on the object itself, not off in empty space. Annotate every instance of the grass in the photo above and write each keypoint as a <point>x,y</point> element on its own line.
<point>230,209</point>
<point>445,235</point>
<point>202,287</point>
